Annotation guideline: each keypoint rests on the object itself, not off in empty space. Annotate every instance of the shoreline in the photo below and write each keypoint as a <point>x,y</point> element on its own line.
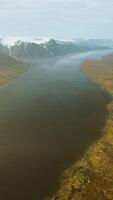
<point>8,77</point>
<point>92,177</point>
<point>10,69</point>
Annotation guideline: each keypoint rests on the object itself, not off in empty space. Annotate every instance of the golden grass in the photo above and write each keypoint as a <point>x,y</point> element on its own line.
<point>10,69</point>
<point>8,75</point>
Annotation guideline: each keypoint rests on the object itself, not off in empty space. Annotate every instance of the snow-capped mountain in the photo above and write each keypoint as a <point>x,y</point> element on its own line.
<point>34,48</point>
<point>11,41</point>
<point>30,47</point>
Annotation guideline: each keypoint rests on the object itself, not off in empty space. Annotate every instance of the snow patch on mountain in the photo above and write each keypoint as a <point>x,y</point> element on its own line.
<point>11,41</point>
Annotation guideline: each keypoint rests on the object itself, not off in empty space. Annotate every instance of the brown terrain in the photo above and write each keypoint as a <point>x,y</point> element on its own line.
<point>91,178</point>
<point>10,69</point>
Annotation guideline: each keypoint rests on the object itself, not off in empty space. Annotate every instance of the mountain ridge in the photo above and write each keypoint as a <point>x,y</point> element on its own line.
<point>34,48</point>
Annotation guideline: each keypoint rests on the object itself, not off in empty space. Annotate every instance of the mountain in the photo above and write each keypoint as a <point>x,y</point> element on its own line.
<point>94,42</point>
<point>23,50</point>
<point>48,49</point>
<point>51,48</point>
<point>34,48</point>
<point>101,42</point>
<point>57,48</point>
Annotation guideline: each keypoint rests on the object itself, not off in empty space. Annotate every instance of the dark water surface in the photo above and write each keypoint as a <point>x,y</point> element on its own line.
<point>48,118</point>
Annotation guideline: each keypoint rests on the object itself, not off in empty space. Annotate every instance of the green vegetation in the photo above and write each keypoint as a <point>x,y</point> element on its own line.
<point>10,68</point>
<point>91,178</point>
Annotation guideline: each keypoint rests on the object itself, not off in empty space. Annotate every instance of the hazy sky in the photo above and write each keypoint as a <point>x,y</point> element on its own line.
<point>57,18</point>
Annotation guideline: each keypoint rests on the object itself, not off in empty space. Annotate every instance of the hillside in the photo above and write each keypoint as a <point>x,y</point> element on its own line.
<point>91,178</point>
<point>4,49</point>
<point>10,68</point>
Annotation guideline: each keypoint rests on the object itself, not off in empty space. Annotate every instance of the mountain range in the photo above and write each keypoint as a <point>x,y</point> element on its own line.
<point>34,48</point>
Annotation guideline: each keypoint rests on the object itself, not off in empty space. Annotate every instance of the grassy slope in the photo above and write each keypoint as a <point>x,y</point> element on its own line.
<point>91,178</point>
<point>10,68</point>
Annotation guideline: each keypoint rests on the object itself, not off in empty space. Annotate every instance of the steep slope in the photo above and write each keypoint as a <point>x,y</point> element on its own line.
<point>57,48</point>
<point>10,68</point>
<point>28,50</point>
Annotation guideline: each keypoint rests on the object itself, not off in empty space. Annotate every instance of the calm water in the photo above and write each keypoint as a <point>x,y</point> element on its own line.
<point>48,118</point>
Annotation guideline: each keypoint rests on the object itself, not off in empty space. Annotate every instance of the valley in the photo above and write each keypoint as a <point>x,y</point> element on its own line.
<point>45,124</point>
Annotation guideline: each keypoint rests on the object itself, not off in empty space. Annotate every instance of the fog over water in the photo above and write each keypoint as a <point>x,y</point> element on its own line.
<point>46,120</point>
